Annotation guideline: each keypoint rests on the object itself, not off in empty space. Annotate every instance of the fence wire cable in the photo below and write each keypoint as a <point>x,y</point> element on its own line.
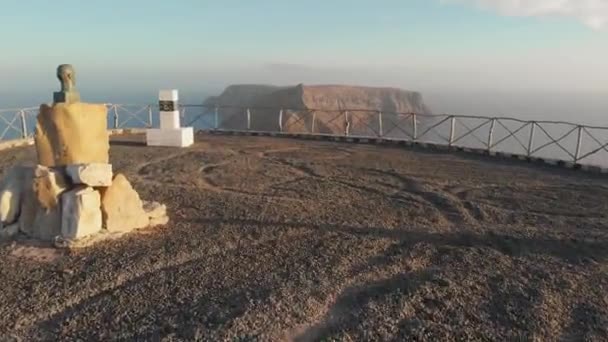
<point>512,134</point>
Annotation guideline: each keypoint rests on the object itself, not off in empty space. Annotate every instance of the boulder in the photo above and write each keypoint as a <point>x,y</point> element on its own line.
<point>40,212</point>
<point>47,224</point>
<point>10,194</point>
<point>9,231</point>
<point>48,184</point>
<point>81,213</point>
<point>29,204</point>
<point>121,207</point>
<point>72,133</point>
<point>93,174</point>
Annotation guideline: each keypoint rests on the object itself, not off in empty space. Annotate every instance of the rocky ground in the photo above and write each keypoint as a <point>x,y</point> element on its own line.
<point>276,239</point>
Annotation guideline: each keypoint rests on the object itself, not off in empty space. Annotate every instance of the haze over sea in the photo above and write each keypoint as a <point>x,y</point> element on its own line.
<point>583,108</point>
<point>541,60</point>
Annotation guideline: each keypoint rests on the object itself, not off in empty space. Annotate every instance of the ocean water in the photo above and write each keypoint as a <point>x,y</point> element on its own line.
<point>579,108</point>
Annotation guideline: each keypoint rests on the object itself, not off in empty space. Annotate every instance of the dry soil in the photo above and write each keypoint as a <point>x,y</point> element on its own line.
<point>276,239</point>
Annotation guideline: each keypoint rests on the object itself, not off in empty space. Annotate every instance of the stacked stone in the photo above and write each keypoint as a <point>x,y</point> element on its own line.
<point>72,202</point>
<point>73,192</point>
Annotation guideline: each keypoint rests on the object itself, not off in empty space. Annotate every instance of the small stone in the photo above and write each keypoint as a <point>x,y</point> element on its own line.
<point>93,174</point>
<point>48,185</point>
<point>121,207</point>
<point>159,221</point>
<point>60,242</point>
<point>155,209</point>
<point>81,213</point>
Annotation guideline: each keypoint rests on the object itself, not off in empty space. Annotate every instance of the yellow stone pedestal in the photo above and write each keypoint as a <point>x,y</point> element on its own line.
<point>73,133</point>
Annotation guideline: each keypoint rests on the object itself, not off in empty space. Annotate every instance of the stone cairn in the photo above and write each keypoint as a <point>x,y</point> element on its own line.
<point>72,194</point>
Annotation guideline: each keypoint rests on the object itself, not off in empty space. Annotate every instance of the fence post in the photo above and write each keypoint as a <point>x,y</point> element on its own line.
<point>248,119</point>
<point>216,118</point>
<point>415,126</point>
<point>531,141</point>
<point>491,134</point>
<point>314,119</point>
<point>347,123</point>
<point>150,116</point>
<point>23,124</point>
<point>182,114</point>
<point>281,120</point>
<point>115,116</point>
<point>579,143</point>
<point>452,130</point>
<point>380,129</point>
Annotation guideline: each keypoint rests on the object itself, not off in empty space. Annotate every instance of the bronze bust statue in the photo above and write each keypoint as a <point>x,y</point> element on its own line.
<point>67,77</point>
<point>68,93</point>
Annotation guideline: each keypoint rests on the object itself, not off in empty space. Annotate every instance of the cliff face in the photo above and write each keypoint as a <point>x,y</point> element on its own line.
<point>322,104</point>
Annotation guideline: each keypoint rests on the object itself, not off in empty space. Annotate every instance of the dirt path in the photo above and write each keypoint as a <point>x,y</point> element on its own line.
<point>276,239</point>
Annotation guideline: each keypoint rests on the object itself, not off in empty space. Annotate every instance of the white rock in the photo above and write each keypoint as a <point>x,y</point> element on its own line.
<point>10,194</point>
<point>155,209</point>
<point>95,174</point>
<point>157,213</point>
<point>159,221</point>
<point>81,213</point>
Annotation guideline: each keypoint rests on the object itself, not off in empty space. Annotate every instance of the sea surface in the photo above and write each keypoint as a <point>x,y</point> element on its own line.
<point>578,108</point>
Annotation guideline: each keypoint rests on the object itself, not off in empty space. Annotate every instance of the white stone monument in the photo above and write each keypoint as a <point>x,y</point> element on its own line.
<point>170,132</point>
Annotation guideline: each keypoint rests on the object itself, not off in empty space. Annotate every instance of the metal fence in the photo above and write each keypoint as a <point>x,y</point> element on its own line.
<point>583,144</point>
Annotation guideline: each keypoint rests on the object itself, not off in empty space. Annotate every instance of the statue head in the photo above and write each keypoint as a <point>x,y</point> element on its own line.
<point>67,77</point>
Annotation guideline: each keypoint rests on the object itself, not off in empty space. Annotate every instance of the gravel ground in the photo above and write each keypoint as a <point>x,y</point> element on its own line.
<point>276,239</point>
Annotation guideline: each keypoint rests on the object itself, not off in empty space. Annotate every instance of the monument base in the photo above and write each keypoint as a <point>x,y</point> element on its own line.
<point>72,133</point>
<point>66,97</point>
<point>181,137</point>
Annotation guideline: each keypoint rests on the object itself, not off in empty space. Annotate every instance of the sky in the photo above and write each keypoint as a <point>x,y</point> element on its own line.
<point>124,49</point>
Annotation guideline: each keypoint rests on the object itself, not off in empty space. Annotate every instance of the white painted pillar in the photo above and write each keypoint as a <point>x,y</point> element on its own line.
<point>170,132</point>
<point>169,109</point>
